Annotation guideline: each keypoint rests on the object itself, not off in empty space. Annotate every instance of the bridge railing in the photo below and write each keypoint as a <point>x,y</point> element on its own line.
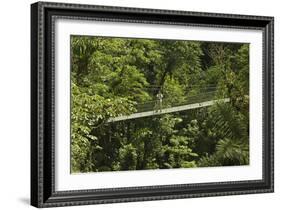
<point>166,103</point>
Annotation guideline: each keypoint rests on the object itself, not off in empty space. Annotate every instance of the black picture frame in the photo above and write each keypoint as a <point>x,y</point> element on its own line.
<point>43,193</point>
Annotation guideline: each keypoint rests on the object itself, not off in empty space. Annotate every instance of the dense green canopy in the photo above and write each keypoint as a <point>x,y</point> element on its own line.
<point>110,77</point>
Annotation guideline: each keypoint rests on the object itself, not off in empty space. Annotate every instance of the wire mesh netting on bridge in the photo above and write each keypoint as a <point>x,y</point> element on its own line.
<point>164,103</point>
<point>157,105</point>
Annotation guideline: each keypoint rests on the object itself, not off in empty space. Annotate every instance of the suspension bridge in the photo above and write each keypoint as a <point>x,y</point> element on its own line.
<point>169,105</point>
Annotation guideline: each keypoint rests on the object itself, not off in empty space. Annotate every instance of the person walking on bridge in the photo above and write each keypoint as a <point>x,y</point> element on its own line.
<point>159,97</point>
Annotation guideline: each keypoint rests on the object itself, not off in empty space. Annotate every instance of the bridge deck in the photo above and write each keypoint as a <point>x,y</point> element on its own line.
<point>168,110</point>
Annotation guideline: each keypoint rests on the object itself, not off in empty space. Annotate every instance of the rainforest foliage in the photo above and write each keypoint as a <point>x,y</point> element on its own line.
<point>110,77</point>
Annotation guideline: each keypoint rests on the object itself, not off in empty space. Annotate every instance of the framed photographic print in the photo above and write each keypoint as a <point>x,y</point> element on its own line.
<point>133,104</point>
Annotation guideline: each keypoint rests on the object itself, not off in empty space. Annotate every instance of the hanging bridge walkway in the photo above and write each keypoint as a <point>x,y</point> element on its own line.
<point>158,107</point>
